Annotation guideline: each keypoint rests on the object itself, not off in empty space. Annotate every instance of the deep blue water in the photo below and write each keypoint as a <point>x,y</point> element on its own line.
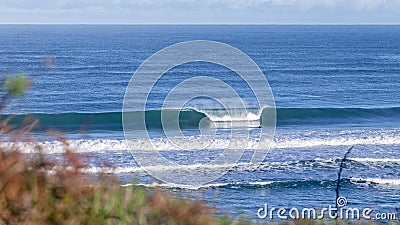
<point>334,87</point>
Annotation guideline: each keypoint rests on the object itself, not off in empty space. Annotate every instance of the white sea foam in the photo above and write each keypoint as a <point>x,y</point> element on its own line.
<point>133,169</point>
<point>190,187</point>
<point>377,181</point>
<point>373,160</point>
<point>261,183</point>
<point>337,141</point>
<point>234,115</point>
<point>204,186</point>
<point>197,143</point>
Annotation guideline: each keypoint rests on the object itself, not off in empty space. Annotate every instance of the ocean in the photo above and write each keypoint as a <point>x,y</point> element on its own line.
<point>334,87</point>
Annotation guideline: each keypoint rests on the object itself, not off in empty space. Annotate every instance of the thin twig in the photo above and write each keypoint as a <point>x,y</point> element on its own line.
<point>340,174</point>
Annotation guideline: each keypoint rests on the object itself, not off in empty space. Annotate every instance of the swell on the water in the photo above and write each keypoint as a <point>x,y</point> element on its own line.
<point>281,184</point>
<point>190,118</point>
<point>242,166</point>
<point>305,116</point>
